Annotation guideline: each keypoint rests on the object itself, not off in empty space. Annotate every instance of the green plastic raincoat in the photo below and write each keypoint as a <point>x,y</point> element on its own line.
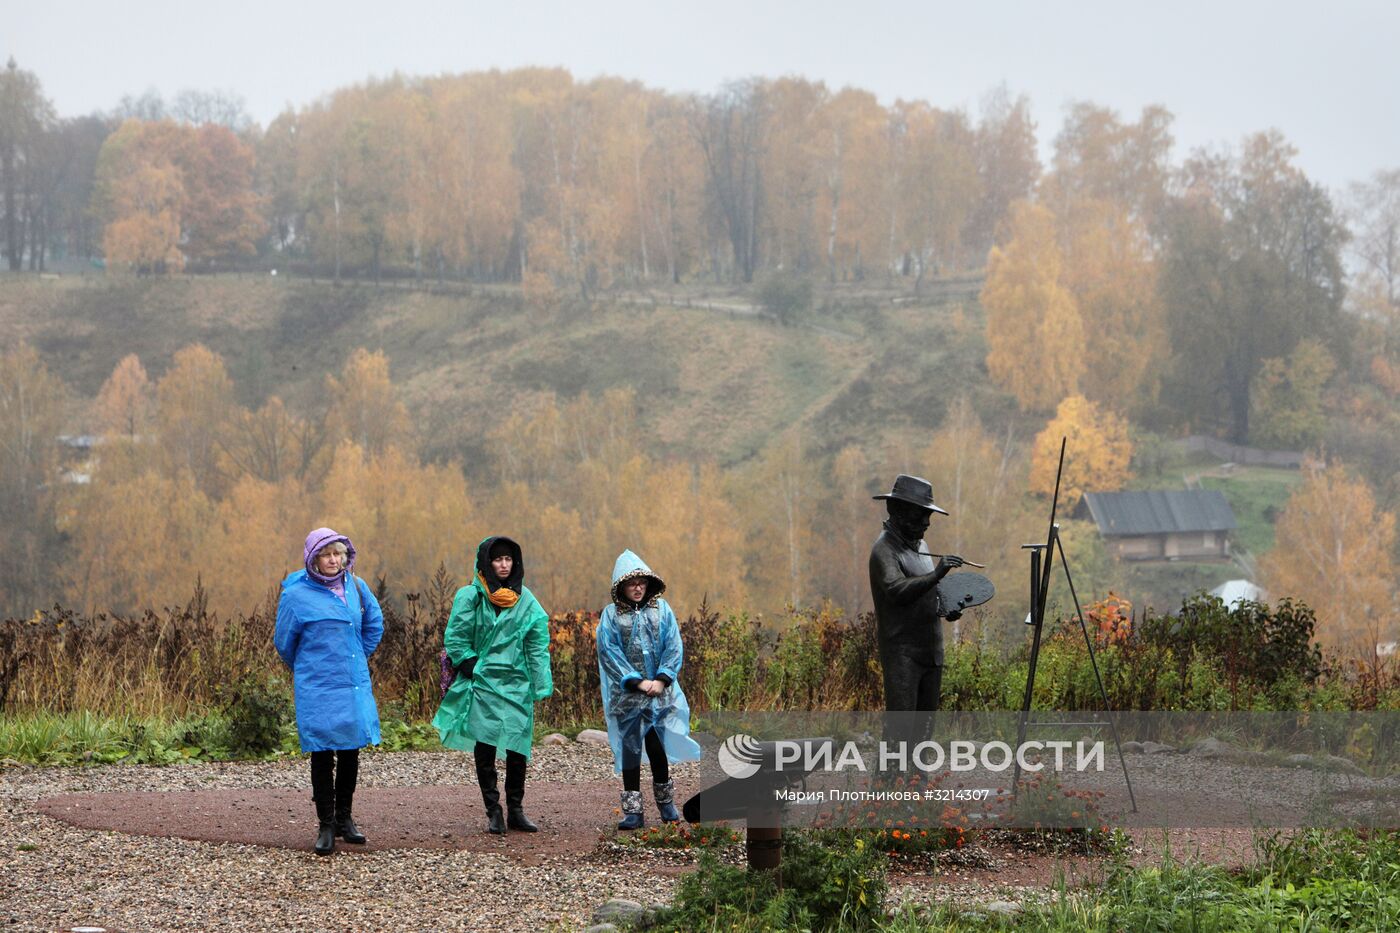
<point>496,703</point>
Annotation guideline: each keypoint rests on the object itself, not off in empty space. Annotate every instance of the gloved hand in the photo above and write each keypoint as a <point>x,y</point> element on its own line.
<point>467,667</point>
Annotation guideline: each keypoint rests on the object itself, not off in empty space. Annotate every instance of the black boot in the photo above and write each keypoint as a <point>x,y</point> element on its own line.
<point>347,775</point>
<point>515,794</point>
<point>491,796</point>
<point>345,826</point>
<point>325,838</point>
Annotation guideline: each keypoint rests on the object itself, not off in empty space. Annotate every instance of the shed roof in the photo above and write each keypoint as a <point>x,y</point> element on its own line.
<point>1159,511</point>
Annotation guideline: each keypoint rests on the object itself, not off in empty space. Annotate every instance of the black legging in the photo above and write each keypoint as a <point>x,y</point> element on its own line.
<point>329,782</point>
<point>632,763</point>
<point>515,763</point>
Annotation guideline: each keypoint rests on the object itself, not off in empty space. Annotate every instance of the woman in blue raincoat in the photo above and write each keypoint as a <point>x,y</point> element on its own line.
<point>328,624</point>
<point>639,658</point>
<point>497,639</point>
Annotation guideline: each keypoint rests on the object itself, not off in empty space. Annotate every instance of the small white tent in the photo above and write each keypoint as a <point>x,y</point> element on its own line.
<point>1234,592</point>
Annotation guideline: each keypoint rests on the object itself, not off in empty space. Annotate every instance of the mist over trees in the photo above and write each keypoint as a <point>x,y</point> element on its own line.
<point>1125,290</point>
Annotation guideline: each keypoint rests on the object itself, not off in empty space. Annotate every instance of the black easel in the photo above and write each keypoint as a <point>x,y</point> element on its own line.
<point>1041,565</point>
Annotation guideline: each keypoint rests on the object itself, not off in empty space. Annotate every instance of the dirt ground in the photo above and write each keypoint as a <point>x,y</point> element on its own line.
<point>451,818</point>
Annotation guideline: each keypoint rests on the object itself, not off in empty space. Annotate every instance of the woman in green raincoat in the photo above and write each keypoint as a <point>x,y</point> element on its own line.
<point>497,640</point>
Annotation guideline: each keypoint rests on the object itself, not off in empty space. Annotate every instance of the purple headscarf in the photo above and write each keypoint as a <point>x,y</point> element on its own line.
<point>314,543</point>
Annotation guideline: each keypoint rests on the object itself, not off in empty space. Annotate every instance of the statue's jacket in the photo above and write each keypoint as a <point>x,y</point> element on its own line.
<point>907,610</point>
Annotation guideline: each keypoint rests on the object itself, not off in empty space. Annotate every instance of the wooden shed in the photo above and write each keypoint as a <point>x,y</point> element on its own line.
<point>1162,524</point>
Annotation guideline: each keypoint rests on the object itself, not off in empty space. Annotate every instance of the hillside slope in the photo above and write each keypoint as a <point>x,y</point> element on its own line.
<point>709,383</point>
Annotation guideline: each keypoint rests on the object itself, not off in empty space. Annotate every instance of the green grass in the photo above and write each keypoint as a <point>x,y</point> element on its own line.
<point>83,738</point>
<point>1315,880</point>
<point>1256,495</point>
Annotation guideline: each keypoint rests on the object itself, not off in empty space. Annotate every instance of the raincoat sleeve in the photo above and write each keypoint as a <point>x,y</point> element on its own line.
<point>536,641</point>
<point>668,663</point>
<point>287,635</point>
<point>460,630</point>
<point>612,660</point>
<point>371,618</point>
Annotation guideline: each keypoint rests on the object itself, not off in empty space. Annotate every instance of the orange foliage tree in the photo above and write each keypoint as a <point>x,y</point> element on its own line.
<point>405,518</point>
<point>1110,270</point>
<point>365,407</point>
<point>1335,551</point>
<point>1098,452</point>
<point>1035,337</point>
<point>195,400</point>
<point>140,543</point>
<point>172,194</point>
<point>125,404</point>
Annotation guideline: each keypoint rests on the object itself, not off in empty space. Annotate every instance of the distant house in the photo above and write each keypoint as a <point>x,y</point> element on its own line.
<point>1162,524</point>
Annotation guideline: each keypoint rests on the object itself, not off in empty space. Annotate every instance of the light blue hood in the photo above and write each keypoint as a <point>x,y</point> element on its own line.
<point>628,567</point>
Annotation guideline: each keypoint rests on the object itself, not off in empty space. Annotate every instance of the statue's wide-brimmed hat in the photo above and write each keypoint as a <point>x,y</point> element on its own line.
<point>914,490</point>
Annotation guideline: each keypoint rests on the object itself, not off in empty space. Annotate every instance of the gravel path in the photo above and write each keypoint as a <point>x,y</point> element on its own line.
<point>229,847</point>
<point>54,875</point>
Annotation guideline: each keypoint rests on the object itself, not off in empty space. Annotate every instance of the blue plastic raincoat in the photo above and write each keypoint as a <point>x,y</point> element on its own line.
<point>496,704</point>
<point>326,640</point>
<point>637,643</point>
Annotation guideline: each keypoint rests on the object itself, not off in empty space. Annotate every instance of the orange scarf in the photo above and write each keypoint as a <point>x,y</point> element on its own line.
<point>504,597</point>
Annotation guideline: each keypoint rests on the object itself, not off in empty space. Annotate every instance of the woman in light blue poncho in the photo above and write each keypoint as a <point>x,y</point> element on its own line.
<point>639,658</point>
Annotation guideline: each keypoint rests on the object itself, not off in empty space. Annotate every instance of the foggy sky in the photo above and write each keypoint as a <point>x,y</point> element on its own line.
<point>1327,76</point>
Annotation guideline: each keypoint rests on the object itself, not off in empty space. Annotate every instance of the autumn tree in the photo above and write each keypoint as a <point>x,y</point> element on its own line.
<point>274,445</point>
<point>464,183</point>
<point>257,527</point>
<point>1007,166</point>
<point>1100,157</point>
<point>138,543</point>
<point>1251,265</point>
<point>1287,397</point>
<point>577,176</point>
<point>220,217</point>
<point>1335,551</point>
<point>31,406</point>
<point>141,196</point>
<point>853,125</point>
<point>365,407</point>
<point>844,530</point>
<point>125,404</point>
<point>1110,269</point>
<point>405,518</point>
<point>594,491</point>
<point>731,130</point>
<point>1098,451</point>
<point>939,186</point>
<point>222,108</point>
<point>195,406</point>
<point>791,171</point>
<point>347,155</point>
<point>672,184</point>
<point>275,180</point>
<point>171,193</point>
<point>69,219</point>
<point>25,118</point>
<point>978,478</point>
<point>1373,213</point>
<point>1035,337</point>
